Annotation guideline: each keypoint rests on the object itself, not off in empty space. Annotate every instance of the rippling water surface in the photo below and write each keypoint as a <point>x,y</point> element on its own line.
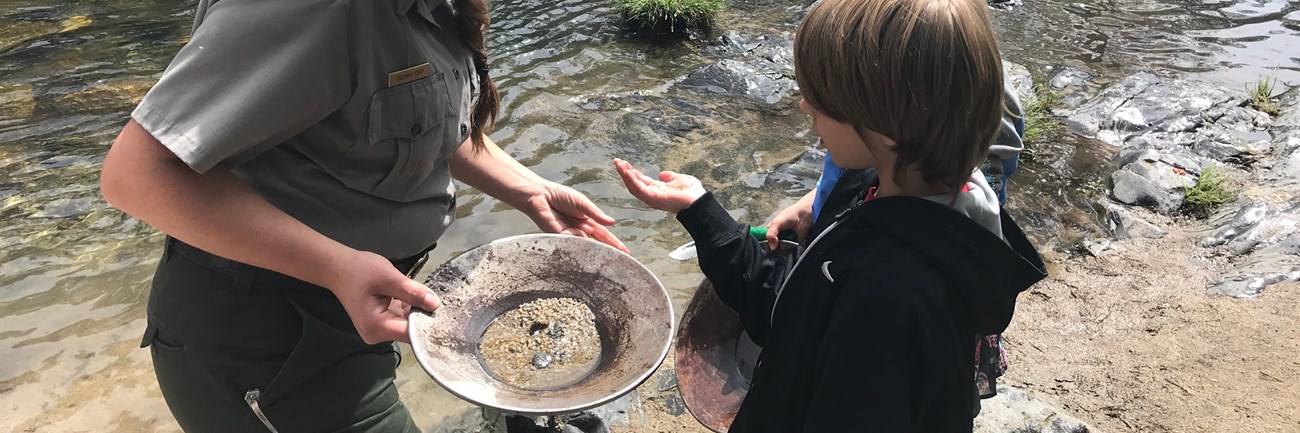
<point>576,92</point>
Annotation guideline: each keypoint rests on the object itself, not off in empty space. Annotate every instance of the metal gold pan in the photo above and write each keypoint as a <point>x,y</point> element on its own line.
<point>634,318</point>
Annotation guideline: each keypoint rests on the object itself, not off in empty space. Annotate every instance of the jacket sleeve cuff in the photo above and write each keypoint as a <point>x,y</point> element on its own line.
<point>708,222</point>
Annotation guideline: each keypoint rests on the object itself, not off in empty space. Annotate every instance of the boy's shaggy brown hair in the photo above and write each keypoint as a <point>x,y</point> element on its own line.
<point>924,73</point>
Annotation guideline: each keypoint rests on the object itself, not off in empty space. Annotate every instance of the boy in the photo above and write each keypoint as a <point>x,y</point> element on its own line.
<point>1001,164</point>
<point>873,327</point>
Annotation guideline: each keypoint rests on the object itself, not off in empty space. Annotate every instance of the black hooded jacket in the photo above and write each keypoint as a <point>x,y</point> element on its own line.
<point>876,328</point>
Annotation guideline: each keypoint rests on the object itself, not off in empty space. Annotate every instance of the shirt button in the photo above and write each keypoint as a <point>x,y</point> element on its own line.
<point>456,73</point>
<point>417,129</point>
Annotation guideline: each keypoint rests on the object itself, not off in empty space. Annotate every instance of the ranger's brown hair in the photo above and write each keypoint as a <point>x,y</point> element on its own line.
<point>472,21</point>
<point>924,73</point>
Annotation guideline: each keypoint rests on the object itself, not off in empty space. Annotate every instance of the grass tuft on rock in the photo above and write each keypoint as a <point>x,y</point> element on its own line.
<point>1260,96</point>
<point>1039,122</point>
<point>1209,193</point>
<point>668,16</point>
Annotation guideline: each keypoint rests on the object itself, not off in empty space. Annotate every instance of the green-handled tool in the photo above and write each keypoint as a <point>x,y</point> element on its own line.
<point>687,251</point>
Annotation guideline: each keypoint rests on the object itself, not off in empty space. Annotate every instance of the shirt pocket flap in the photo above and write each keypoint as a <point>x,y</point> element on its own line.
<point>407,111</point>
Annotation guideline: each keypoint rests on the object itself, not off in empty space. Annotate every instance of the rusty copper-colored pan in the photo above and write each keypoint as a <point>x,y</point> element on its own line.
<point>714,359</point>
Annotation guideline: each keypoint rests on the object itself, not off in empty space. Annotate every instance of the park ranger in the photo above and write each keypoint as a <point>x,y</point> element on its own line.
<point>300,155</point>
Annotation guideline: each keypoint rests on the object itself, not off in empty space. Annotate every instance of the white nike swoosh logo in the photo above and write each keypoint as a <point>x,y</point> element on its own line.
<point>826,270</point>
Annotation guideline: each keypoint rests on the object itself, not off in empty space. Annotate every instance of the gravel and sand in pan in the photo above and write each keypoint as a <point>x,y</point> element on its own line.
<point>543,344</point>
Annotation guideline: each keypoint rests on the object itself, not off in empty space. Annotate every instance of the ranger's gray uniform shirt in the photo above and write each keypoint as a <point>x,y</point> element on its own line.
<point>294,97</point>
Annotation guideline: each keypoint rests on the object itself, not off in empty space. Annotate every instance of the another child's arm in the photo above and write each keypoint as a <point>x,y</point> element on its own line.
<point>1004,153</point>
<point>744,274</point>
<point>798,218</point>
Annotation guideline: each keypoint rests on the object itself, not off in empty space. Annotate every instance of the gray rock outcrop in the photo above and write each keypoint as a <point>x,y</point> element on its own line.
<point>1265,231</point>
<point>1015,411</point>
<point>1168,134</point>
<point>1124,223</point>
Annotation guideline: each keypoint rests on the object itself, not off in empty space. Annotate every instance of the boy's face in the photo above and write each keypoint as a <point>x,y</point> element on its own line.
<point>843,143</point>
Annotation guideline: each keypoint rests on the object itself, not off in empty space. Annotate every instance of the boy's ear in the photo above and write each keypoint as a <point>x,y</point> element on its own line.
<point>876,139</point>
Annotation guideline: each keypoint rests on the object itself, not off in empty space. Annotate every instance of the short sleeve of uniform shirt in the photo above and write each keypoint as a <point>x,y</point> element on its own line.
<point>254,74</point>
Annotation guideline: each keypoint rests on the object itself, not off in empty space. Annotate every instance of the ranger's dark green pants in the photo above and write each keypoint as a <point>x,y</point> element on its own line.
<point>223,334</point>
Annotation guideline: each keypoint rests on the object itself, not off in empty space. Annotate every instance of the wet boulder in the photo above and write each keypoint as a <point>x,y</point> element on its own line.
<point>1071,83</point>
<point>1160,108</point>
<point>1264,233</point>
<point>731,44</point>
<point>1166,151</point>
<point>1014,410</point>
<point>1142,110</point>
<point>1068,77</point>
<point>1125,223</point>
<point>1148,181</point>
<point>1275,263</point>
<point>1169,107</point>
<point>1233,146</point>
<point>1095,114</point>
<point>1004,4</point>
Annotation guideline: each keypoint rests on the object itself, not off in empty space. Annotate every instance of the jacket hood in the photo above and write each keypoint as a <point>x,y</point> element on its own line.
<point>987,269</point>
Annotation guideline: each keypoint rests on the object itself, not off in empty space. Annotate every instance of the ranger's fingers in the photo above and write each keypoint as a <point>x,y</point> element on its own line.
<point>414,293</point>
<point>602,234</point>
<point>391,329</point>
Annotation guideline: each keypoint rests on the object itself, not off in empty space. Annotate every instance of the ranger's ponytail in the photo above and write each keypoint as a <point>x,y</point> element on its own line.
<point>472,21</point>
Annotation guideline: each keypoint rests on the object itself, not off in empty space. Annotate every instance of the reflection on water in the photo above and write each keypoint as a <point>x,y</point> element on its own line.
<point>1226,42</point>
<point>74,274</point>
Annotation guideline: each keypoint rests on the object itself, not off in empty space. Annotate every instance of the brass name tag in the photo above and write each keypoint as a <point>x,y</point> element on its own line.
<point>409,74</point>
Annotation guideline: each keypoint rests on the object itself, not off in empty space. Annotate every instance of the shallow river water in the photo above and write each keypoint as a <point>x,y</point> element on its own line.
<point>74,273</point>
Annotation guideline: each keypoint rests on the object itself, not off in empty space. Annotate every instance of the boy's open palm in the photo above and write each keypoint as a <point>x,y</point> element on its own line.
<point>671,193</point>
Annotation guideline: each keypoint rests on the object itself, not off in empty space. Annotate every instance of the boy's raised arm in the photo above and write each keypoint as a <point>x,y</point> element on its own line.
<point>744,274</point>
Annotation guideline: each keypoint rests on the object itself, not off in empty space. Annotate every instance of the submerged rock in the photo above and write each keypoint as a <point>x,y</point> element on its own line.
<point>17,101</point>
<point>15,33</point>
<point>104,95</point>
<point>761,69</point>
<point>68,207</point>
<point>1013,410</point>
<point>75,23</point>
<point>597,420</point>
